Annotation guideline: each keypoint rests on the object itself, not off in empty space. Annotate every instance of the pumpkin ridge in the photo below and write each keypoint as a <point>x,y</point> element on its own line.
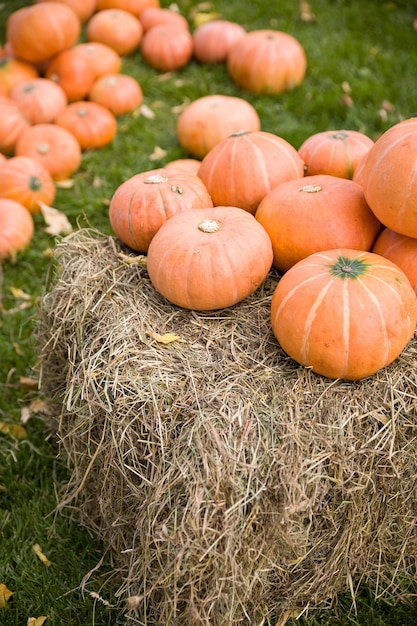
<point>258,157</point>
<point>377,304</point>
<point>305,347</point>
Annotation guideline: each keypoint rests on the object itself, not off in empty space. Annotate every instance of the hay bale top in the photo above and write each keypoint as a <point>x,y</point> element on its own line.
<point>230,484</point>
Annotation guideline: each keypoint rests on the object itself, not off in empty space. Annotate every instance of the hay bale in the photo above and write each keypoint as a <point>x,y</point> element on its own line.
<point>231,485</point>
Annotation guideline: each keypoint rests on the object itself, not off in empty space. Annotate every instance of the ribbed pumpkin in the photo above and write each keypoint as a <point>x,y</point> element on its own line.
<point>16,228</point>
<point>401,250</point>
<point>316,213</point>
<point>40,99</point>
<point>93,125</point>
<point>267,61</point>
<point>214,39</point>
<point>243,168</point>
<point>27,181</point>
<point>167,47</point>
<point>344,313</point>
<point>142,203</point>
<point>209,259</point>
<point>334,152</point>
<point>388,177</point>
<point>39,31</point>
<point>207,120</point>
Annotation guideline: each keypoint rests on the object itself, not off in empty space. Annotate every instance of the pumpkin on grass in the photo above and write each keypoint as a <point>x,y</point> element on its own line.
<point>13,122</point>
<point>84,9</point>
<point>14,71</point>
<point>142,203</point>
<point>344,313</point>
<point>167,47</point>
<point>27,181</point>
<point>119,93</point>
<point>117,29</point>
<point>73,73</point>
<point>93,125</point>
<point>40,99</point>
<point>209,259</point>
<point>100,57</point>
<point>152,16</point>
<point>16,228</point>
<point>401,250</point>
<point>214,39</point>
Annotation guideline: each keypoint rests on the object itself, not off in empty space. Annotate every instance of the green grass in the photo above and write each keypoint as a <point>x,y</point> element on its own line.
<point>365,45</point>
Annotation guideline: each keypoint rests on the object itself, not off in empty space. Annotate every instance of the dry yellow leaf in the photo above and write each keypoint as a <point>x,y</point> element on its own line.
<point>65,184</point>
<point>36,621</point>
<point>145,111</point>
<point>14,430</point>
<point>19,293</point>
<point>157,154</point>
<point>200,18</point>
<point>166,338</point>
<point>38,551</point>
<point>56,222</point>
<point>5,595</point>
<point>28,383</point>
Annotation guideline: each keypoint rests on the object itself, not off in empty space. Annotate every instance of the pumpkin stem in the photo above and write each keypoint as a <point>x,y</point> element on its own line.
<point>345,268</point>
<point>341,134</point>
<point>209,226</point>
<point>35,183</point>
<point>238,133</point>
<point>311,188</point>
<point>156,179</point>
<point>43,147</point>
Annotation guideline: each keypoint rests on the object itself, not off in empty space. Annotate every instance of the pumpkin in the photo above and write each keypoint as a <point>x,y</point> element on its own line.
<point>72,73</point>
<point>133,6</point>
<point>16,228</point>
<point>388,177</point>
<point>316,213</point>
<point>334,152</point>
<point>116,28</point>
<point>267,61</point>
<point>84,9</point>
<point>119,93</point>
<point>209,259</point>
<point>14,71</point>
<point>143,202</point>
<point>12,124</point>
<point>213,40</point>
<point>206,121</point>
<point>40,99</point>
<point>93,125</point>
<point>152,16</point>
<point>344,313</point>
<point>53,146</point>
<point>27,181</point>
<point>39,31</point>
<point>244,167</point>
<point>167,47</point>
<point>188,165</point>
<point>399,249</point>
<point>101,58</point>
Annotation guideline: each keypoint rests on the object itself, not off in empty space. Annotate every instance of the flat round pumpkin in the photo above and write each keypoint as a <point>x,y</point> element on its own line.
<point>344,313</point>
<point>399,249</point>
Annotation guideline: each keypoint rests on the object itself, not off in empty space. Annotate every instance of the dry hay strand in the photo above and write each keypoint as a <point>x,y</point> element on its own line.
<point>231,485</point>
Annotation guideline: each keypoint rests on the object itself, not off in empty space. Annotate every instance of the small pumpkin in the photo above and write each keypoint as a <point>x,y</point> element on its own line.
<point>116,28</point>
<point>53,146</point>
<point>101,58</point>
<point>37,32</point>
<point>40,99</point>
<point>27,181</point>
<point>152,16</point>
<point>316,213</point>
<point>133,6</point>
<point>143,202</point>
<point>206,121</point>
<point>167,47</point>
<point>93,125</point>
<point>267,61</point>
<point>210,258</point>
<point>15,71</point>
<point>399,249</point>
<point>72,73</point>
<point>344,313</point>
<point>334,152</point>
<point>214,39</point>
<point>16,228</point>
<point>84,9</point>
<point>119,93</point>
<point>12,124</point>
<point>244,167</point>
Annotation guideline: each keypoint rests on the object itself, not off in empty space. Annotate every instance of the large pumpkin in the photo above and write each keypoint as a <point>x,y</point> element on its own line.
<point>344,313</point>
<point>401,250</point>
<point>388,177</point>
<point>334,152</point>
<point>204,122</point>
<point>142,203</point>
<point>27,181</point>
<point>244,167</point>
<point>16,228</point>
<point>209,259</point>
<point>316,213</point>
<point>267,61</point>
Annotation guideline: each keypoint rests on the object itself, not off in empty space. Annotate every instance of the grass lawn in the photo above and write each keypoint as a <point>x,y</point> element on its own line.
<point>362,76</point>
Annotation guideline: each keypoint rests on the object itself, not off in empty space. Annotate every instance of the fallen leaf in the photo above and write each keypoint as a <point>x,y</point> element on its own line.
<point>36,621</point>
<point>38,551</point>
<point>19,293</point>
<point>306,14</point>
<point>57,223</point>
<point>14,430</point>
<point>146,112</point>
<point>139,259</point>
<point>25,414</point>
<point>68,183</point>
<point>200,18</point>
<point>165,339</point>
<point>5,595</point>
<point>28,383</point>
<point>157,154</point>
<point>132,602</point>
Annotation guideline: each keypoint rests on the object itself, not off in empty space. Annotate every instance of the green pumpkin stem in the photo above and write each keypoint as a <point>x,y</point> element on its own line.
<point>345,268</point>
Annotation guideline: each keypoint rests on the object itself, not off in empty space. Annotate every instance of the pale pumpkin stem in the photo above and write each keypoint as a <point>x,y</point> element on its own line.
<point>311,188</point>
<point>43,148</point>
<point>156,179</point>
<point>209,226</point>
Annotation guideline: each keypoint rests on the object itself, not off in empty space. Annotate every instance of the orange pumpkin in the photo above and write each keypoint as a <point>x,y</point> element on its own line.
<point>12,124</point>
<point>344,313</point>
<point>14,71</point>
<point>152,16</point>
<point>72,73</point>
<point>133,6</point>
<point>116,28</point>
<point>243,168</point>
<point>27,181</point>
<point>16,228</point>
<point>167,47</point>
<point>39,31</point>
<point>93,125</point>
<point>142,203</point>
<point>120,93</point>
<point>40,99</point>
<point>388,177</point>
<point>188,165</point>
<point>332,211</point>
<point>210,258</point>
<point>267,61</point>
<point>401,250</point>
<point>53,146</point>
<point>334,152</point>
<point>84,9</point>
<point>214,39</point>
<point>101,58</point>
<point>208,120</point>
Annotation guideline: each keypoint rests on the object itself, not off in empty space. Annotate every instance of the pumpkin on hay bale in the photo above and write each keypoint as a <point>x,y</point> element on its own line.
<point>231,485</point>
